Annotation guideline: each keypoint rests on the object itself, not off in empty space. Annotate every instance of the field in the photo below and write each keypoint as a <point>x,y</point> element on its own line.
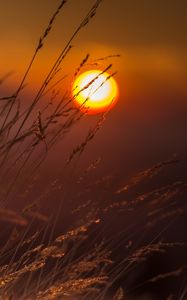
<point>73,226</point>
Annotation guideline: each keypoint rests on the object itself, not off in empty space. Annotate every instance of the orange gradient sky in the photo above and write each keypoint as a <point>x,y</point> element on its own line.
<point>151,72</point>
<point>150,36</point>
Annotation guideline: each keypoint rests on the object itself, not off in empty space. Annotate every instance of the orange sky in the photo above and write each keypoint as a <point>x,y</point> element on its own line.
<point>149,122</point>
<point>150,36</point>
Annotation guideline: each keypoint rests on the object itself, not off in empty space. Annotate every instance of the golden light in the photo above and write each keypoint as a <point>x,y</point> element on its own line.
<point>95,92</point>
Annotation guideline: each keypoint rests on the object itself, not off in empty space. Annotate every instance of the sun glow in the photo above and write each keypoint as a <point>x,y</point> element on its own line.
<point>95,92</point>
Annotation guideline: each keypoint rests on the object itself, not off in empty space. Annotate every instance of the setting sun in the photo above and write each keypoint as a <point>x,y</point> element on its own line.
<point>95,91</point>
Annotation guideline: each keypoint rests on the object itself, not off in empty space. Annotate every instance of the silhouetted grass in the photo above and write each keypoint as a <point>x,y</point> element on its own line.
<point>76,248</point>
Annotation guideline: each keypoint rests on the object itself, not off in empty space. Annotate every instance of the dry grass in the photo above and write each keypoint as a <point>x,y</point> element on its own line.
<point>80,262</point>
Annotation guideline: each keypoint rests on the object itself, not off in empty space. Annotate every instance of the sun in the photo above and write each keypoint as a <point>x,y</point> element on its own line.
<point>95,91</point>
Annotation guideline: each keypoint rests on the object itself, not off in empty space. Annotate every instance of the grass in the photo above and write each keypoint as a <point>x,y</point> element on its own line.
<point>79,238</point>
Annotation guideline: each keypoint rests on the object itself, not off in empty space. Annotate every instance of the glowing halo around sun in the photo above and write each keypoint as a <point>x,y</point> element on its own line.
<point>95,91</point>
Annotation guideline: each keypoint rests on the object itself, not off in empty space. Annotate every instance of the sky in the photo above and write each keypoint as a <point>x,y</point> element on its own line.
<point>149,35</point>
